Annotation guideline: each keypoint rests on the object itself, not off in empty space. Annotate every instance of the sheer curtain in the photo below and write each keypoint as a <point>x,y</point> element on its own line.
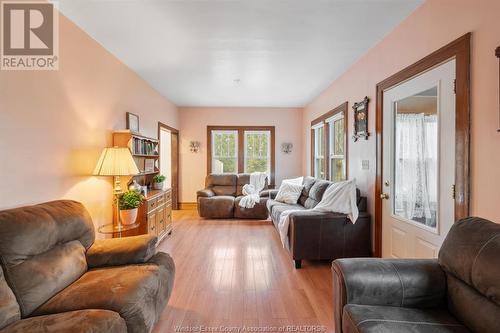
<point>416,150</point>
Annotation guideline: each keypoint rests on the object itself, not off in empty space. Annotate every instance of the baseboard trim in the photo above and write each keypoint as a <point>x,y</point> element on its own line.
<point>188,205</point>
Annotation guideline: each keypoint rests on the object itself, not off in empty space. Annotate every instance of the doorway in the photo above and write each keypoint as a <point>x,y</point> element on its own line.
<point>169,159</point>
<point>422,177</point>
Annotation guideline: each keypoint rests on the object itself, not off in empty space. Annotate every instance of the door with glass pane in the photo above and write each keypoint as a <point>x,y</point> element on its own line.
<point>418,164</point>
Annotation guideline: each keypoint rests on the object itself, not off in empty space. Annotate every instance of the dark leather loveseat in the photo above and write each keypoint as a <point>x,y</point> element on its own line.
<point>458,292</point>
<point>55,277</point>
<point>222,194</point>
<point>322,236</point>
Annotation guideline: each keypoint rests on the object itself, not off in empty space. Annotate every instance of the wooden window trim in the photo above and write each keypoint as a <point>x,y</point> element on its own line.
<point>326,137</point>
<point>459,50</point>
<point>241,146</point>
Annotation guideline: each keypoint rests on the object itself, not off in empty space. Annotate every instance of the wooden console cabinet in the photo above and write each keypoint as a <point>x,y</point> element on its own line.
<point>155,214</point>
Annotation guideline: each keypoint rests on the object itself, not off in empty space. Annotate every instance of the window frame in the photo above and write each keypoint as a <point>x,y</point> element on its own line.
<point>324,120</point>
<point>241,146</point>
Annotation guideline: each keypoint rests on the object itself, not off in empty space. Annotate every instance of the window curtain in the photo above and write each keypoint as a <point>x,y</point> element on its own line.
<point>416,152</point>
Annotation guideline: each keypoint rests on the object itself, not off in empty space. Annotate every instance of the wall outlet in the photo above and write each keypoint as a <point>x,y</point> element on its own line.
<point>365,165</point>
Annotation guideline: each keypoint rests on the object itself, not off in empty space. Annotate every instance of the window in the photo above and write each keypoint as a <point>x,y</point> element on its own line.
<point>258,152</point>
<point>241,149</point>
<point>224,151</point>
<point>336,143</point>
<point>319,151</point>
<point>328,135</point>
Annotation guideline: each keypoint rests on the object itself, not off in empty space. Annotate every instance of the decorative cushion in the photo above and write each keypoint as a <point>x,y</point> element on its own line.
<point>289,192</point>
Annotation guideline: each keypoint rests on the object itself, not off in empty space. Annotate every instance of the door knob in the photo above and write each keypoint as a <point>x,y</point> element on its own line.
<point>384,196</point>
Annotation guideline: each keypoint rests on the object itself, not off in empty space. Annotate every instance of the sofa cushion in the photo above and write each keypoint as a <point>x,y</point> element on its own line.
<point>470,253</point>
<point>271,203</point>
<point>83,321</point>
<point>316,193</point>
<point>277,210</point>
<point>242,180</point>
<point>372,318</point>
<point>42,249</point>
<point>308,182</point>
<point>218,207</point>
<point>259,211</point>
<point>9,309</point>
<point>137,292</point>
<point>222,184</point>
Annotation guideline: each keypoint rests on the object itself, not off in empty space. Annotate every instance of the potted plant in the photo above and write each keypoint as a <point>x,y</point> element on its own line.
<point>129,203</point>
<point>158,181</point>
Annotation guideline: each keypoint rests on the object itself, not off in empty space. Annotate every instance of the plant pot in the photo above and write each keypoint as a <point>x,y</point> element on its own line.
<point>128,216</point>
<point>158,186</point>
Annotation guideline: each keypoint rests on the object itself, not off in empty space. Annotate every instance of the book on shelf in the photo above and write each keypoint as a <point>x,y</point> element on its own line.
<point>144,147</point>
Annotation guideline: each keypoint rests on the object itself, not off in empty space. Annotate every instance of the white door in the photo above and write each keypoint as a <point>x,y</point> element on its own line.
<point>418,164</point>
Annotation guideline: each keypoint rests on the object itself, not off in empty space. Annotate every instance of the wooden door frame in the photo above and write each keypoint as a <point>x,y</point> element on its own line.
<point>326,140</point>
<point>241,161</point>
<point>459,50</point>
<point>174,162</point>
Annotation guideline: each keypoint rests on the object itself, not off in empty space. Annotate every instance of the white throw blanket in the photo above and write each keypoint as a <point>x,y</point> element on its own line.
<point>338,198</point>
<point>252,190</point>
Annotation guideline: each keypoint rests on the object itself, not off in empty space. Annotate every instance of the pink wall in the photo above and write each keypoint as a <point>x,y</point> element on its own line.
<point>54,124</point>
<point>431,26</point>
<point>194,122</point>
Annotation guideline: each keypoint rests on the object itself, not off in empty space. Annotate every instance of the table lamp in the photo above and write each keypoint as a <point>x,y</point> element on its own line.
<point>116,162</point>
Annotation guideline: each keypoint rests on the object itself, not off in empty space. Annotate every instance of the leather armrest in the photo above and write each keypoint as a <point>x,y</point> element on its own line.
<point>388,282</point>
<point>270,193</point>
<point>206,193</point>
<point>121,251</point>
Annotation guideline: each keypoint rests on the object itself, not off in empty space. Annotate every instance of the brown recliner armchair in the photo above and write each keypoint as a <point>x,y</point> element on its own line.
<point>56,278</point>
<point>458,292</point>
<point>222,194</point>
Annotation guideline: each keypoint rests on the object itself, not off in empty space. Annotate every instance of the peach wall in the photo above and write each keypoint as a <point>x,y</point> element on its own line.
<point>194,122</point>
<point>431,26</point>
<point>54,124</point>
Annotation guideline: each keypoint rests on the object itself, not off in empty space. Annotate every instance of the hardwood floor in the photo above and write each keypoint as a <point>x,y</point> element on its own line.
<point>235,273</point>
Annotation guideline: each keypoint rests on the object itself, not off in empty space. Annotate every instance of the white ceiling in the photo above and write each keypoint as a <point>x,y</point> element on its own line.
<point>238,52</point>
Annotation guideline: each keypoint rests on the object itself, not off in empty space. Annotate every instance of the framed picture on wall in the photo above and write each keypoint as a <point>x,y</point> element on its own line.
<point>133,122</point>
<point>361,119</point>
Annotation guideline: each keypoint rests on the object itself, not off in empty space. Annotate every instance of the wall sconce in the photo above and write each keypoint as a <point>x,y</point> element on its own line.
<point>286,147</point>
<point>194,146</point>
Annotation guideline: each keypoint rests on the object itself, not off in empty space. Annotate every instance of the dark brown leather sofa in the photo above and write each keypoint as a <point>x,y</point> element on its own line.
<point>222,194</point>
<point>458,292</point>
<point>55,277</point>
<point>322,236</point>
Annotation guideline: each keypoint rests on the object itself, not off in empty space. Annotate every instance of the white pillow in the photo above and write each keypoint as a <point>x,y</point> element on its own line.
<point>298,180</point>
<point>289,192</point>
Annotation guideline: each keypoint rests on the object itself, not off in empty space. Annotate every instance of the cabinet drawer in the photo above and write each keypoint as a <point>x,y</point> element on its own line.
<point>168,196</point>
<point>152,204</point>
<point>160,200</point>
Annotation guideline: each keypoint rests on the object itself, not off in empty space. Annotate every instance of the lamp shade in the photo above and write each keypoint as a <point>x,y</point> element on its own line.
<point>116,162</point>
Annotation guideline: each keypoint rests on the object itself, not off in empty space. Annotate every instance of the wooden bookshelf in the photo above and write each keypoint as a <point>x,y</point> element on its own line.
<point>144,151</point>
